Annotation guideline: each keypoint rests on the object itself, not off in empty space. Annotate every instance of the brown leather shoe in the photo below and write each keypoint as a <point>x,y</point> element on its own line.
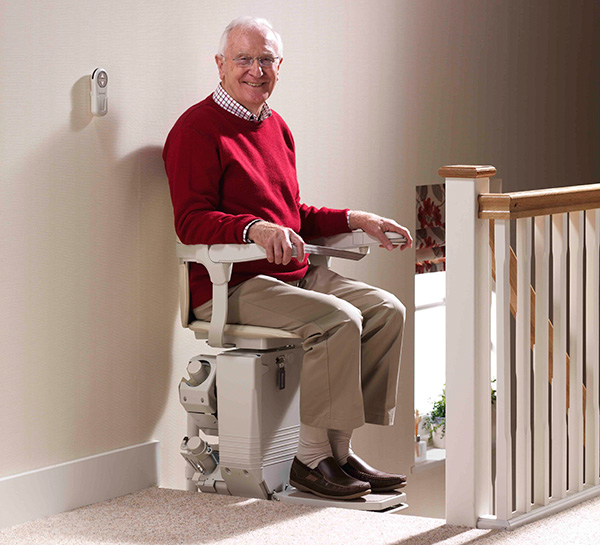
<point>379,480</point>
<point>327,480</point>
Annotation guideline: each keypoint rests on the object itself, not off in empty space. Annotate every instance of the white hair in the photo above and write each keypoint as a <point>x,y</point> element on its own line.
<point>247,22</point>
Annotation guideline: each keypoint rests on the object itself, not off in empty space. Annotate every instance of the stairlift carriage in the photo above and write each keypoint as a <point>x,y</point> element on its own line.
<point>243,403</point>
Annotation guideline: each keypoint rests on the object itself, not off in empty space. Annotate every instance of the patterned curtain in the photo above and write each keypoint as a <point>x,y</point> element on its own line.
<point>431,228</point>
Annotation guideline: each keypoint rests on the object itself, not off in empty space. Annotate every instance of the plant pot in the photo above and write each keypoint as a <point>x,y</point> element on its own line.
<point>437,439</point>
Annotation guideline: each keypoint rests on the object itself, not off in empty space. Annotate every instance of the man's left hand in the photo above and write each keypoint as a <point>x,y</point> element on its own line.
<point>376,226</point>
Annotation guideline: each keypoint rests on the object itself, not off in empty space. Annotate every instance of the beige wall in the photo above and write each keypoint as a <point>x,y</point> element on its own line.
<point>378,94</point>
<point>512,83</point>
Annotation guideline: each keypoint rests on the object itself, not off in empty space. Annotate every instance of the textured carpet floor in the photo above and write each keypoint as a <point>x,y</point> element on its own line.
<point>173,517</point>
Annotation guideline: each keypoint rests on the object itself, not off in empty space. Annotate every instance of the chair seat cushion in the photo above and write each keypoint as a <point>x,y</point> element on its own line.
<point>243,331</point>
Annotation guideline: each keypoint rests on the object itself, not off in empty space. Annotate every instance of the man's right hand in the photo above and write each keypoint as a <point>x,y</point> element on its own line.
<point>277,241</point>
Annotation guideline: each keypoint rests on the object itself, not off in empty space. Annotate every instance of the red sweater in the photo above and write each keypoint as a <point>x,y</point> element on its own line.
<point>224,172</point>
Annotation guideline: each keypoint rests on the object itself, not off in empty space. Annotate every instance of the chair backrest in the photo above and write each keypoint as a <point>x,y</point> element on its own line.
<point>184,293</point>
<point>232,335</point>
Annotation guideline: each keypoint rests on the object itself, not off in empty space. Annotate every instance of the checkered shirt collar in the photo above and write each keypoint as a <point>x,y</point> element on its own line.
<point>222,98</point>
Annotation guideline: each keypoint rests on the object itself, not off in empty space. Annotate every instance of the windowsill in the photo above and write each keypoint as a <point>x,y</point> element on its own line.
<point>433,304</point>
<point>436,457</point>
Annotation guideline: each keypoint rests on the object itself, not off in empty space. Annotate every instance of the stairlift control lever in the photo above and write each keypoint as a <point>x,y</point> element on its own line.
<point>99,92</point>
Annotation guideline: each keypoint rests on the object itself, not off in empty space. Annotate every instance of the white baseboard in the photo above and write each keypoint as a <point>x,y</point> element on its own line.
<point>70,485</point>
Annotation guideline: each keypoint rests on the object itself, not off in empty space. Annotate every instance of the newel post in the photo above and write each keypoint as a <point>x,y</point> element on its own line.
<point>468,294</point>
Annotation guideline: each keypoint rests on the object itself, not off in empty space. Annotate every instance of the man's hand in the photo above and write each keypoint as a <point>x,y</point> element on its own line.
<point>376,226</point>
<point>277,241</point>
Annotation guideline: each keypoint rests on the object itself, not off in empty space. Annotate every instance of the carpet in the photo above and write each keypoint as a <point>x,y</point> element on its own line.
<point>175,517</point>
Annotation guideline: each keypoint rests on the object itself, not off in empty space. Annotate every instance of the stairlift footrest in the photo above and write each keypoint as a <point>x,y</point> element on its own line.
<point>387,502</point>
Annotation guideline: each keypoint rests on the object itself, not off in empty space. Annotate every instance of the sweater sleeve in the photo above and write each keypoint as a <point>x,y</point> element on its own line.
<point>322,222</point>
<point>194,171</point>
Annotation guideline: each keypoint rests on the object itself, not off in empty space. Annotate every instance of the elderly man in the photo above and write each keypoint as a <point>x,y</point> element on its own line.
<point>231,166</point>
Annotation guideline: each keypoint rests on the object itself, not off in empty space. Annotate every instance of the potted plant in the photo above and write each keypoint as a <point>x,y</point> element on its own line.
<point>434,422</point>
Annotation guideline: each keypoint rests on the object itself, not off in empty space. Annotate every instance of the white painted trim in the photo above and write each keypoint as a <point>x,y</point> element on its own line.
<point>538,512</point>
<point>468,407</point>
<point>55,489</point>
<point>436,457</point>
<point>427,306</point>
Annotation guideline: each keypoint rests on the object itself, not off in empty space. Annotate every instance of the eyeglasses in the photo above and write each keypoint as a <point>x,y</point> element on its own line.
<point>244,61</point>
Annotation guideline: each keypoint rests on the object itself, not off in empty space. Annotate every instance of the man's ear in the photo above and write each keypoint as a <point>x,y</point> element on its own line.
<point>278,67</point>
<point>220,62</point>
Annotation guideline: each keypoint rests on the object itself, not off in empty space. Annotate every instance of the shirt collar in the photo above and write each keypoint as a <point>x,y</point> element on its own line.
<point>223,99</point>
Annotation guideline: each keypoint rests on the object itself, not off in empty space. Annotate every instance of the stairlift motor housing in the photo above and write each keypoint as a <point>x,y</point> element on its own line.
<point>256,416</point>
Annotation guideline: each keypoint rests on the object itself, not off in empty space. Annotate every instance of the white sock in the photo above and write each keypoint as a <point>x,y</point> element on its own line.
<point>314,445</point>
<point>340,444</point>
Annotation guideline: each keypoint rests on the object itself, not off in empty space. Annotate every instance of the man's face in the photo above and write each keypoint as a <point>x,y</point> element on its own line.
<point>251,85</point>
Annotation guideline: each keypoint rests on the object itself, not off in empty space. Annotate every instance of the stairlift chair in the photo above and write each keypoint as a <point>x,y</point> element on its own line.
<point>243,402</point>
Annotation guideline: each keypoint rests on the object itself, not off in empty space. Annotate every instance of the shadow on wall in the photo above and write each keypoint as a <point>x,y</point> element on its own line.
<point>81,116</point>
<point>159,304</point>
<point>99,286</point>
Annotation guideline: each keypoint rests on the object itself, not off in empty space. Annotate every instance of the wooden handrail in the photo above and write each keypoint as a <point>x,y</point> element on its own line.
<point>525,204</point>
<point>540,202</point>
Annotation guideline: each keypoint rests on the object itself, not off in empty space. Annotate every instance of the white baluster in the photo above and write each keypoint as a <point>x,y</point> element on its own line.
<point>576,348</point>
<point>523,367</point>
<point>503,403</point>
<point>541,465</point>
<point>559,364</point>
<point>592,320</point>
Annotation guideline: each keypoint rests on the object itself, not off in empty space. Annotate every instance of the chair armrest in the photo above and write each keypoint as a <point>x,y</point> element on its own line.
<point>238,253</point>
<point>220,253</point>
<point>357,242</point>
<point>356,239</point>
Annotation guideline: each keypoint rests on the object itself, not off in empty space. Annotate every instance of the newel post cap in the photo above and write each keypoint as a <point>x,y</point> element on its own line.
<point>467,171</point>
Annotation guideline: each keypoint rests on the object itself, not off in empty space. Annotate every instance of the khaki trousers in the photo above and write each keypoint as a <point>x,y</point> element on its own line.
<point>352,337</point>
